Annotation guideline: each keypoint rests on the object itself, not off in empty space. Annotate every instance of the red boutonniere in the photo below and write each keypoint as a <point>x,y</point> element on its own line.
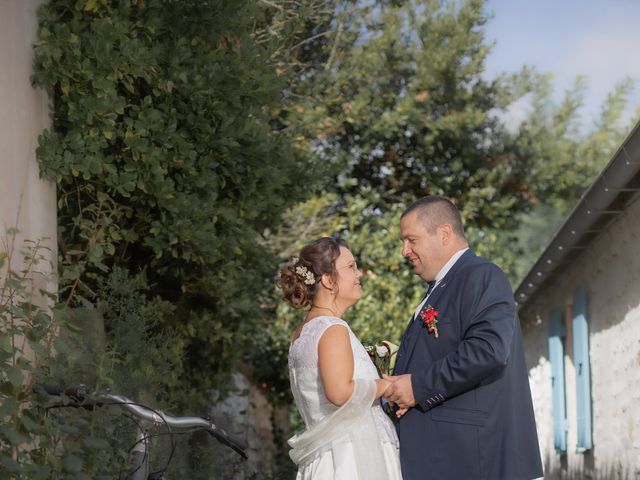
<point>430,319</point>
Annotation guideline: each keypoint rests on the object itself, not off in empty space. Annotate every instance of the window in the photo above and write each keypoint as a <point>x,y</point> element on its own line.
<point>556,357</point>
<point>580,332</point>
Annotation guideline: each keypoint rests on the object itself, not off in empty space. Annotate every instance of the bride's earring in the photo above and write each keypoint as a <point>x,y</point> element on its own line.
<point>332,292</point>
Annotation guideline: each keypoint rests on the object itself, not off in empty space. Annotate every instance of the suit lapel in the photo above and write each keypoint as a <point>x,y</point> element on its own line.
<point>405,340</point>
<point>415,328</point>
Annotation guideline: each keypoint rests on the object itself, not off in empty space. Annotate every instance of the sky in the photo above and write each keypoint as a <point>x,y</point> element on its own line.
<point>596,38</point>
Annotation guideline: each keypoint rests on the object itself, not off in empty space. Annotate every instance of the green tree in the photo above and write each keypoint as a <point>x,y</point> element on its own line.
<point>401,106</point>
<point>168,158</point>
<point>564,159</point>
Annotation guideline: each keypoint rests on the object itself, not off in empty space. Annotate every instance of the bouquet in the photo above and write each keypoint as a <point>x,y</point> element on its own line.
<point>383,356</point>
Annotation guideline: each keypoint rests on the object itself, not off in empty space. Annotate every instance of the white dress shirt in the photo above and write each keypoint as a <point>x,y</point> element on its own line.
<point>443,271</point>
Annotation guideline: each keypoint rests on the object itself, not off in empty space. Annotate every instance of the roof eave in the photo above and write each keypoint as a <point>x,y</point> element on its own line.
<point>597,206</point>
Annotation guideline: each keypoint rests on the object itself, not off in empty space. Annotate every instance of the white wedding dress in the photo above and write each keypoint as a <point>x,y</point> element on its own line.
<point>351,442</point>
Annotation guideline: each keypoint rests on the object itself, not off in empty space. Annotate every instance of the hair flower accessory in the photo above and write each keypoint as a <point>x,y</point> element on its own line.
<point>303,272</point>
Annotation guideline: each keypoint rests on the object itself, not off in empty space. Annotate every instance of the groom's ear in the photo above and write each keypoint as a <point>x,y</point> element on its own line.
<point>445,231</point>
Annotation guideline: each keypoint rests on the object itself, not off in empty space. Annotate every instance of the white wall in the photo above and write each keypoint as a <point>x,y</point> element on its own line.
<point>26,202</point>
<point>610,269</point>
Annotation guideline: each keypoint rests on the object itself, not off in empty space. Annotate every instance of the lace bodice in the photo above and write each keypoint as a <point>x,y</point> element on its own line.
<point>306,383</point>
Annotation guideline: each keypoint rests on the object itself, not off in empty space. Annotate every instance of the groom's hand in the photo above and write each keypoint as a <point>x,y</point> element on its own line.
<point>400,391</point>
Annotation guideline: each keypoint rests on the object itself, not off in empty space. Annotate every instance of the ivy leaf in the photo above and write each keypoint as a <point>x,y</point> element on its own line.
<point>5,343</point>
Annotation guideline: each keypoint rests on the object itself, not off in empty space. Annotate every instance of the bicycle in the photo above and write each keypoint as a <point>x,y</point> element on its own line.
<point>139,465</point>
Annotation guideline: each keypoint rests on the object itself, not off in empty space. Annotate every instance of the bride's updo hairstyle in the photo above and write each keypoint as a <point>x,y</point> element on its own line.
<point>300,280</point>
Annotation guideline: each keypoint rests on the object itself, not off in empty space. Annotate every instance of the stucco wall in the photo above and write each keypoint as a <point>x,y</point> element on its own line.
<point>26,202</point>
<point>610,270</point>
<point>247,414</point>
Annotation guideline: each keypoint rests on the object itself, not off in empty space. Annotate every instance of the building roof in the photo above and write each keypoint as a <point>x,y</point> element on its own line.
<point>606,198</point>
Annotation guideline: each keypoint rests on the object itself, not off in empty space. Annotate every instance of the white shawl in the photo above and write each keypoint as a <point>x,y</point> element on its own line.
<point>352,422</point>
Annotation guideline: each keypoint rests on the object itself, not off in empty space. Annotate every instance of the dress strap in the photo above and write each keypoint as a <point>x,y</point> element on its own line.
<point>318,325</point>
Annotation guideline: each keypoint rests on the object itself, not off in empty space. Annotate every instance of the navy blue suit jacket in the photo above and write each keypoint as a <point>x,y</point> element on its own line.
<point>474,418</point>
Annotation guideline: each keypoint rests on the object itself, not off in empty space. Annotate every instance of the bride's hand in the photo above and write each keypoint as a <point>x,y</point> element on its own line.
<point>401,411</point>
<point>382,386</point>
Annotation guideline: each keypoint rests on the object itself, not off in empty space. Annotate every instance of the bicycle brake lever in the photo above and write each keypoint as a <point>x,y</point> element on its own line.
<point>223,437</point>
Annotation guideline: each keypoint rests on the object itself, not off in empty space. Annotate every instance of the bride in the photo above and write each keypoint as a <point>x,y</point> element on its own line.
<point>334,383</point>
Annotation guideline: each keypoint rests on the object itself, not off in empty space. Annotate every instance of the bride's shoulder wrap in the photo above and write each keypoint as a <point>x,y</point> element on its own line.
<point>353,422</point>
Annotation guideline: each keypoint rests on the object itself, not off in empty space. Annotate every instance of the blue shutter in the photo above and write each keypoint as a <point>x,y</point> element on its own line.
<point>556,357</point>
<point>581,362</point>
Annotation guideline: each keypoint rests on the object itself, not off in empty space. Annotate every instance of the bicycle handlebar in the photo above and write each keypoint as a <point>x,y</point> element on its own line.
<point>77,393</point>
<point>80,398</point>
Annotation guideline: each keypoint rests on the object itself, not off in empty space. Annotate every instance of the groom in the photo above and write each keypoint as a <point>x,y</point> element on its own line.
<point>460,368</point>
